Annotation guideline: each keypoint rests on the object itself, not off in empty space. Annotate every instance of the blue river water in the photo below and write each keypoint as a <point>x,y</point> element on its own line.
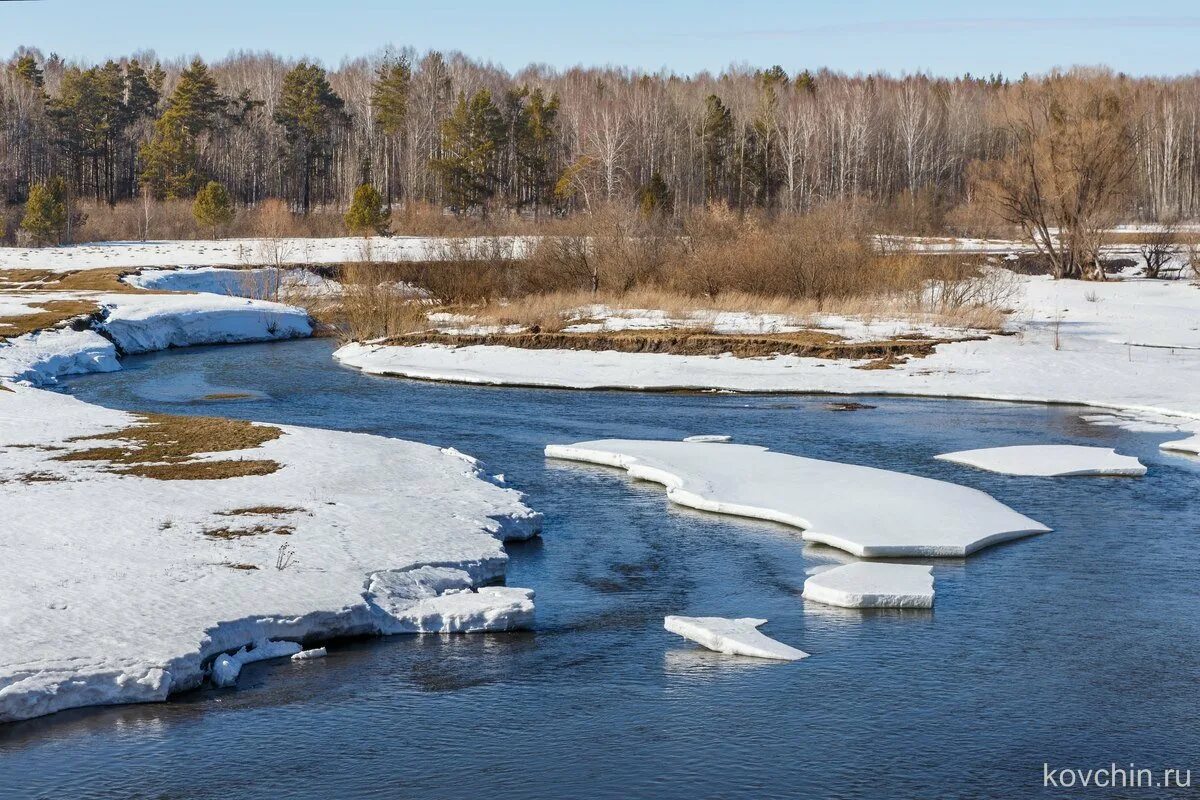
<point>1074,649</point>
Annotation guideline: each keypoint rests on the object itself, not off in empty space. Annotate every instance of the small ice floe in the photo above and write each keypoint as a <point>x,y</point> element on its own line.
<point>1048,460</point>
<point>735,637</point>
<point>309,655</point>
<point>867,584</point>
<point>445,600</point>
<point>226,667</point>
<point>709,437</point>
<point>868,512</point>
<point>1190,445</point>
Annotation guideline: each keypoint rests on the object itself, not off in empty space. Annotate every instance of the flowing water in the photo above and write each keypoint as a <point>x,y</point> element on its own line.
<point>1074,649</point>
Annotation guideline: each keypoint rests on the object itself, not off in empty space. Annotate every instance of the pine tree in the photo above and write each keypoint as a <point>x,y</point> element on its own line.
<point>171,159</point>
<point>46,212</point>
<point>366,214</point>
<point>212,207</point>
<point>308,111</point>
<point>472,140</point>
<point>26,67</point>
<point>715,132</point>
<point>389,101</point>
<point>655,199</point>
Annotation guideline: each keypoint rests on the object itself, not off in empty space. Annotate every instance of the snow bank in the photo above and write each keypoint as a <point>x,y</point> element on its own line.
<point>865,511</point>
<point>1068,346</point>
<point>145,323</point>
<point>1048,460</point>
<point>249,252</point>
<point>257,283</point>
<point>866,584</point>
<point>124,589</point>
<point>735,637</point>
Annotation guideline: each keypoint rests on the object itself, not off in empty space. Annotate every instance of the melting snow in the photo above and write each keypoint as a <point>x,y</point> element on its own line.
<point>735,637</point>
<point>867,584</point>
<point>1048,460</point>
<point>866,511</point>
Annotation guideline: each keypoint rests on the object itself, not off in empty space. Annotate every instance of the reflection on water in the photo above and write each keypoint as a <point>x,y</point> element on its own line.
<point>1073,648</point>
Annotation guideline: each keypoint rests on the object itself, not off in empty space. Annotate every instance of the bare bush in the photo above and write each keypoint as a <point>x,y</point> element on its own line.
<point>1159,247</point>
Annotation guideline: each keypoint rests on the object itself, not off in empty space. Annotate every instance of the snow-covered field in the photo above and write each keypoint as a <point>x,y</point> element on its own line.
<point>1129,345</point>
<point>122,588</point>
<point>244,252</point>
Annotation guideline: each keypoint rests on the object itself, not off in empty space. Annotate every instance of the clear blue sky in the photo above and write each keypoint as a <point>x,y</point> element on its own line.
<point>685,36</point>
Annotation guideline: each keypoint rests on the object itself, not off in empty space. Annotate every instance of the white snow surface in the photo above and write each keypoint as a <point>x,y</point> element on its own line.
<point>865,511</point>
<point>1048,460</point>
<point>113,591</point>
<point>247,252</point>
<point>871,584</point>
<point>259,283</point>
<point>734,637</point>
<point>1124,344</point>
<point>115,594</point>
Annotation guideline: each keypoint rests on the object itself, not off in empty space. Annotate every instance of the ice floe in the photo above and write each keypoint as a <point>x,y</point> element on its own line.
<point>226,667</point>
<point>1048,460</point>
<point>709,437</point>
<point>866,511</point>
<point>868,584</point>
<point>1189,445</point>
<point>310,655</point>
<point>735,637</point>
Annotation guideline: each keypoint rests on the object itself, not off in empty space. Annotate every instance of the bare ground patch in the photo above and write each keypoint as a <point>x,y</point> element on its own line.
<point>254,530</point>
<point>165,447</point>
<point>51,314</point>
<point>812,344</point>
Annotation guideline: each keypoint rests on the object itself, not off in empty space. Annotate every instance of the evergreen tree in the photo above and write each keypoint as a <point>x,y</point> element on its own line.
<point>715,132</point>
<point>309,111</point>
<point>366,214</point>
<point>536,148</point>
<point>26,67</point>
<point>472,141</point>
<point>171,159</point>
<point>655,199</point>
<point>46,212</point>
<point>389,100</point>
<point>212,207</point>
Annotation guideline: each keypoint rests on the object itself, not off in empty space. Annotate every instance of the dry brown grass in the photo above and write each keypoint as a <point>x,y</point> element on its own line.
<point>106,280</point>
<point>52,314</point>
<point>165,447</point>
<point>254,530</point>
<point>813,344</point>
<point>240,566</point>
<point>259,511</point>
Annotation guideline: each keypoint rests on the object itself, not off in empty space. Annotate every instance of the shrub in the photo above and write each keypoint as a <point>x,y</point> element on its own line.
<point>366,215</point>
<point>212,207</point>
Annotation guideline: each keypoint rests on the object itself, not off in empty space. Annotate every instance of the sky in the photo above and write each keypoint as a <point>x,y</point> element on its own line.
<point>683,36</point>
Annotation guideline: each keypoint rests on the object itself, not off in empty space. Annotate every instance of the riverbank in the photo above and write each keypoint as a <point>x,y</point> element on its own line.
<point>1132,346</point>
<point>139,548</point>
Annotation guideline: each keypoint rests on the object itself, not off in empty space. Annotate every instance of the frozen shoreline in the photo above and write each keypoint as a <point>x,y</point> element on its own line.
<point>1128,346</point>
<point>125,589</point>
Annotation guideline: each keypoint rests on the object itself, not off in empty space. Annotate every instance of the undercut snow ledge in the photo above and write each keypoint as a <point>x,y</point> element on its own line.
<point>1048,460</point>
<point>734,637</point>
<point>865,511</point>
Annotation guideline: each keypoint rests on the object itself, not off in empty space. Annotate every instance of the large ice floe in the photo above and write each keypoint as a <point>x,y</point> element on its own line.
<point>124,588</point>
<point>865,511</point>
<point>1048,460</point>
<point>869,584</point>
<point>735,637</point>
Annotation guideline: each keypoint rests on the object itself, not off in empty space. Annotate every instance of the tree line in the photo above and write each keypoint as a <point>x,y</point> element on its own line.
<point>449,131</point>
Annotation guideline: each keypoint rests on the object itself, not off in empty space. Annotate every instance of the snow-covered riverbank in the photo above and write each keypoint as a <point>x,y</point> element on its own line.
<point>1130,345</point>
<point>123,586</point>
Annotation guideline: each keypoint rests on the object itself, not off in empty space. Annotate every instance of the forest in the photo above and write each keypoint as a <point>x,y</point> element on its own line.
<point>449,134</point>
